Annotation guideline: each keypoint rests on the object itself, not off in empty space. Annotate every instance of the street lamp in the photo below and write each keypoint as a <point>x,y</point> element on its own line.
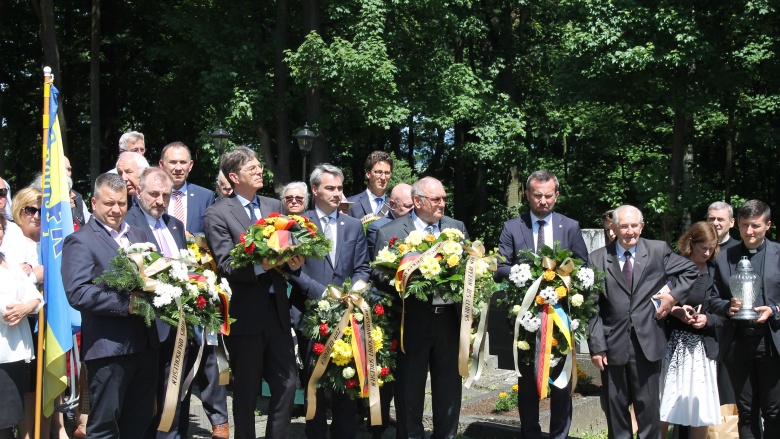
<point>219,136</point>
<point>305,142</point>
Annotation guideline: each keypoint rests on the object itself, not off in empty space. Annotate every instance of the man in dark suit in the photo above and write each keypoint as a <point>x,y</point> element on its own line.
<point>260,343</point>
<point>752,357</point>
<point>529,231</point>
<point>188,204</point>
<point>129,166</point>
<point>120,351</point>
<point>379,169</point>
<point>167,233</point>
<point>721,215</point>
<point>401,204</point>
<point>431,328</point>
<point>348,259</point>
<point>627,340</point>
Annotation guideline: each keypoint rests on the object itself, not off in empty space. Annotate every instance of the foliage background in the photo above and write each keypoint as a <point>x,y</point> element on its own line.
<point>667,105</point>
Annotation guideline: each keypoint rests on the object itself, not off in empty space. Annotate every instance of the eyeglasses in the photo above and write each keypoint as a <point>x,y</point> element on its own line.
<point>138,150</point>
<point>31,210</point>
<point>381,173</point>
<point>292,198</point>
<point>3,192</point>
<point>254,169</point>
<point>435,200</point>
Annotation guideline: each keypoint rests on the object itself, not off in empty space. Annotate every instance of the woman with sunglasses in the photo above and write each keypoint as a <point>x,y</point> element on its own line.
<point>27,215</point>
<point>295,198</point>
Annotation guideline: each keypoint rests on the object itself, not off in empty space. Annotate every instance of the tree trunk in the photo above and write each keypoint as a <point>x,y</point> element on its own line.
<point>676,169</point>
<point>459,144</point>
<point>319,152</point>
<point>281,32</point>
<point>94,94</point>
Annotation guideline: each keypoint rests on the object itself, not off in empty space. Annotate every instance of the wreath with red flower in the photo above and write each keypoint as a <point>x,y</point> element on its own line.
<point>278,238</point>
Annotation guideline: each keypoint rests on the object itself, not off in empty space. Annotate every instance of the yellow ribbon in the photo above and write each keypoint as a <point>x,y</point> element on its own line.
<point>206,259</point>
<point>352,299</point>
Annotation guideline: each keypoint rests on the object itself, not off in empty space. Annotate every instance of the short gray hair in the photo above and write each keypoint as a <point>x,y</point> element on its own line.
<point>418,187</point>
<point>623,208</point>
<point>720,205</point>
<point>316,174</point>
<point>235,159</point>
<point>113,182</point>
<point>140,161</point>
<point>155,173</point>
<point>130,136</point>
<point>543,175</point>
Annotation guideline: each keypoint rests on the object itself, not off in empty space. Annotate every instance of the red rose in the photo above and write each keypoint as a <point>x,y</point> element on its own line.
<point>250,249</point>
<point>243,238</point>
<point>379,310</point>
<point>384,372</point>
<point>274,215</point>
<point>311,232</point>
<point>350,384</point>
<point>201,302</point>
<point>318,348</point>
<point>392,241</point>
<point>394,345</point>
<point>324,329</point>
<point>260,222</point>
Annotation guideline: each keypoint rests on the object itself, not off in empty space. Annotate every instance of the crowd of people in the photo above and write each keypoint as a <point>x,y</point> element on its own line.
<point>662,334</point>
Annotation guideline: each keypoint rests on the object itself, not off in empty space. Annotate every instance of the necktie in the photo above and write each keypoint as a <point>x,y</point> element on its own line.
<point>158,233</point>
<point>540,235</point>
<point>251,206</point>
<point>379,202</point>
<point>178,205</point>
<point>328,231</point>
<point>628,271</point>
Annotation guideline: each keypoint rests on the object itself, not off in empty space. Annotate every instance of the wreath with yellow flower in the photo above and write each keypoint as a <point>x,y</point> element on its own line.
<point>348,369</point>
<point>278,238</point>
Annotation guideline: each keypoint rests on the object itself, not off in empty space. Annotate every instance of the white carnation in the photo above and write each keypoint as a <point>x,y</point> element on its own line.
<point>481,267</point>
<point>211,277</point>
<point>225,286</point>
<point>193,290</point>
<point>575,324</point>
<point>348,373</point>
<point>179,271</point>
<point>520,275</point>
<point>586,276</point>
<point>323,305</point>
<point>576,300</point>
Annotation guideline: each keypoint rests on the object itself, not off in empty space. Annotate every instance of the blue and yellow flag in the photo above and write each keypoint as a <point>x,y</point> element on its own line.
<point>56,224</point>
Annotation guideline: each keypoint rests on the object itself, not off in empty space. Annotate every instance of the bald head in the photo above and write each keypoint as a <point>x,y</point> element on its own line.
<point>401,202</point>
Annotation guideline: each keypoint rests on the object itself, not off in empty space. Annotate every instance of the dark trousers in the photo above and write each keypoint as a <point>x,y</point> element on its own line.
<point>121,392</point>
<point>755,377</point>
<point>528,404</point>
<point>431,342</point>
<point>636,382</point>
<point>266,356</point>
<point>166,354</point>
<point>212,395</point>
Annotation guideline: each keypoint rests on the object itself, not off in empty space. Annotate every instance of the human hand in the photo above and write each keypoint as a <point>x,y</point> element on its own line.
<point>27,268</point>
<point>736,305</point>
<point>699,321</point>
<point>764,313</point>
<point>667,301</point>
<point>16,312</point>
<point>296,262</point>
<point>600,360</point>
<point>683,313</point>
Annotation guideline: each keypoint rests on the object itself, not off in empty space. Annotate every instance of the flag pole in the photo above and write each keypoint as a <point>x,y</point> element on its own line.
<point>48,78</point>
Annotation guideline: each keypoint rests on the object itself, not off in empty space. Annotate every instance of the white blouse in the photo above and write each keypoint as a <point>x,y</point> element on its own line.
<point>16,341</point>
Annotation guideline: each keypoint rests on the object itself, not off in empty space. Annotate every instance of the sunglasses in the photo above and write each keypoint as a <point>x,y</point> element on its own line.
<point>291,198</point>
<point>31,210</point>
<point>3,192</point>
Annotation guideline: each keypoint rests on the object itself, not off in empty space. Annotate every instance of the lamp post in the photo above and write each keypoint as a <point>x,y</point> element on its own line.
<point>305,142</point>
<point>219,136</point>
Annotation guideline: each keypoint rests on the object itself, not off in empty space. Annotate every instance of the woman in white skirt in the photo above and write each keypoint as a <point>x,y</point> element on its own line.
<point>689,381</point>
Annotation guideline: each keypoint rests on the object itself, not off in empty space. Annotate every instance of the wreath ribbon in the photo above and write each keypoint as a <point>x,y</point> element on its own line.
<point>175,374</point>
<point>476,252</point>
<point>371,379</point>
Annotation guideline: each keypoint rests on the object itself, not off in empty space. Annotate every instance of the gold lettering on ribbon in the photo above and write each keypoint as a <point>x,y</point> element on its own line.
<point>353,299</point>
<point>476,252</point>
<point>174,377</point>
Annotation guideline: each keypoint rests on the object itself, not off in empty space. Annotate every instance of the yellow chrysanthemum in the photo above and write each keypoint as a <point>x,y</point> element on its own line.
<point>430,267</point>
<point>347,331</point>
<point>196,250</point>
<point>376,335</point>
<point>342,353</point>
<point>268,230</point>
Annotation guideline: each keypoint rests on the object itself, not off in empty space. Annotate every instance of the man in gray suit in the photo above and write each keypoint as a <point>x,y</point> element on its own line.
<point>752,347</point>
<point>348,259</point>
<point>120,351</point>
<point>260,343</point>
<point>431,330</point>
<point>627,337</point>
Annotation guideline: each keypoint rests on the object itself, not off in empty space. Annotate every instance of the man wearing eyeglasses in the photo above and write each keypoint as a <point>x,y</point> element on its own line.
<point>531,230</point>
<point>379,169</point>
<point>132,141</point>
<point>431,329</point>
<point>260,341</point>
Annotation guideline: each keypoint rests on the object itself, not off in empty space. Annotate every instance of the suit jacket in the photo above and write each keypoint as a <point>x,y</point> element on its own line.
<point>518,235</point>
<point>362,206</point>
<point>618,309</point>
<point>371,232</point>
<point>351,259</point>
<point>725,266</point>
<point>136,217</point>
<point>225,222</point>
<point>198,200</point>
<point>107,328</point>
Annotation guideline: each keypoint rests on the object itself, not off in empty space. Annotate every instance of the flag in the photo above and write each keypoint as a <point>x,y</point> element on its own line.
<point>56,224</point>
